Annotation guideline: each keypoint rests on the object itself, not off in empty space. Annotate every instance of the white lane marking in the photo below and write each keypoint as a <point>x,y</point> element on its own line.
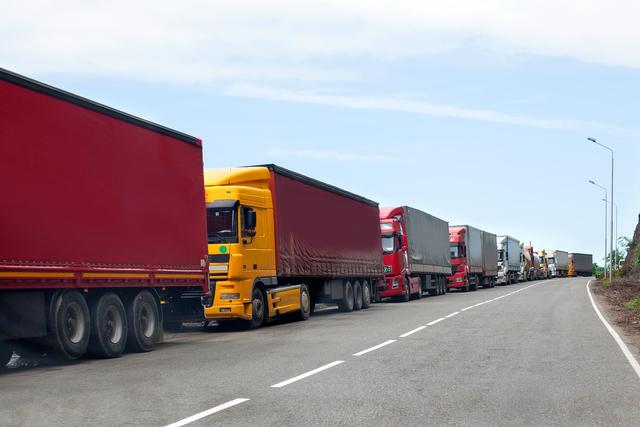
<point>452,314</point>
<point>468,308</point>
<point>625,350</point>
<point>375,347</point>
<point>413,331</point>
<point>208,412</point>
<point>307,374</point>
<point>435,321</point>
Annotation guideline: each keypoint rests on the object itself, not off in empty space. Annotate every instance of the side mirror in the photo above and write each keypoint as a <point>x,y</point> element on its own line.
<point>251,219</point>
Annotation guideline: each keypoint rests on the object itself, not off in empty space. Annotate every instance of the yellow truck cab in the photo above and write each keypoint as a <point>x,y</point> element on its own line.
<point>271,250</point>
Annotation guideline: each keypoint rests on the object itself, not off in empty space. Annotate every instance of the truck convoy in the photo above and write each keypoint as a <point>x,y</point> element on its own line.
<point>102,228</point>
<point>558,262</point>
<point>279,242</point>
<point>416,253</point>
<point>473,258</point>
<point>580,265</point>
<point>508,260</point>
<point>107,234</point>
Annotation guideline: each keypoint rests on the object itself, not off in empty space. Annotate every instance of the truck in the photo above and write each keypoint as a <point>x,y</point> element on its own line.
<point>508,260</point>
<point>580,265</point>
<point>527,264</point>
<point>280,242</point>
<point>558,262</point>
<point>102,225</point>
<point>474,260</point>
<point>416,253</point>
<point>543,263</point>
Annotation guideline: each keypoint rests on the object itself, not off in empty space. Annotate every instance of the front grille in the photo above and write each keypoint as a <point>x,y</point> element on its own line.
<point>219,258</point>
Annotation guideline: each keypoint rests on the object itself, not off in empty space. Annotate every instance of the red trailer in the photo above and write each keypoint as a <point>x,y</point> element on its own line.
<point>102,228</point>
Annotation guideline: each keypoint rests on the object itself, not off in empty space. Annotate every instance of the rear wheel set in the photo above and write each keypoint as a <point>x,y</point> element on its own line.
<point>104,327</point>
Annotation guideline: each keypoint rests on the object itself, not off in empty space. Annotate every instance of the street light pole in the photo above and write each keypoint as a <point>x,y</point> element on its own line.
<point>611,235</point>
<point>605,223</point>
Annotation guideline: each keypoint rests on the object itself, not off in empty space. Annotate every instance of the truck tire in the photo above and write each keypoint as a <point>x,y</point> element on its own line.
<point>143,322</point>
<point>357,296</point>
<point>108,327</point>
<point>366,294</point>
<point>6,352</point>
<point>258,309</point>
<point>70,325</point>
<point>345,304</point>
<point>406,294</point>
<point>305,303</point>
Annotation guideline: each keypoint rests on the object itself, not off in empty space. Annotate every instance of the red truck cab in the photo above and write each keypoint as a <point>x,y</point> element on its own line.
<point>397,281</point>
<point>459,268</point>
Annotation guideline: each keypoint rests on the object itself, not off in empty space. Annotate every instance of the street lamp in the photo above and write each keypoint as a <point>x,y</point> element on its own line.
<point>605,222</point>
<point>611,234</point>
<point>616,249</point>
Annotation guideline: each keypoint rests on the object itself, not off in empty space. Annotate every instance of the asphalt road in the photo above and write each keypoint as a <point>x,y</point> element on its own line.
<point>536,355</point>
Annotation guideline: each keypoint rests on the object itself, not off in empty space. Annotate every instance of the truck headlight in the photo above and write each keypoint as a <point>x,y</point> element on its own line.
<point>395,284</point>
<point>229,296</point>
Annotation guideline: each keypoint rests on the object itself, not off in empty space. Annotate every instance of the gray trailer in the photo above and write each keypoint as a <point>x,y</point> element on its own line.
<point>558,263</point>
<point>474,260</point>
<point>427,257</point>
<point>580,264</point>
<point>509,254</point>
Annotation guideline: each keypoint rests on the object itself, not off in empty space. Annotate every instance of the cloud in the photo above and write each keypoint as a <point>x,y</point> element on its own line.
<point>329,155</point>
<point>199,41</point>
<point>419,107</point>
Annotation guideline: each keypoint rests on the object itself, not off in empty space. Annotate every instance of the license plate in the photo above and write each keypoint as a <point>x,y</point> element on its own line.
<point>387,269</point>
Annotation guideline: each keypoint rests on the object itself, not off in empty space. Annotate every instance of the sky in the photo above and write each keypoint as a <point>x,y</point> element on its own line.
<point>476,112</point>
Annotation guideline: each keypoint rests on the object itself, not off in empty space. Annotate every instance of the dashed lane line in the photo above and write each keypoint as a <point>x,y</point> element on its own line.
<point>307,374</point>
<point>413,331</point>
<point>208,412</point>
<point>375,347</point>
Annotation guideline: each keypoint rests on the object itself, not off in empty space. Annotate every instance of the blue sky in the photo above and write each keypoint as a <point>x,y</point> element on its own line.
<point>476,113</point>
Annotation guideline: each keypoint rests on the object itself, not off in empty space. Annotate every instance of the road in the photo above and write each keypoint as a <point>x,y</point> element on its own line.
<point>527,354</point>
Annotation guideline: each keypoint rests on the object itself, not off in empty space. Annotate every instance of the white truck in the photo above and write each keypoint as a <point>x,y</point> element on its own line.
<point>509,255</point>
<point>558,263</point>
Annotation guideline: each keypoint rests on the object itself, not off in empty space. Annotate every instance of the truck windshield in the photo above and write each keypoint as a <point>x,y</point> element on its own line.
<point>500,254</point>
<point>388,244</point>
<point>551,260</point>
<point>222,225</point>
<point>455,251</point>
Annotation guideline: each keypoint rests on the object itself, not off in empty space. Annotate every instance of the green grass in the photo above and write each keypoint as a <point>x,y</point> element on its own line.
<point>634,304</point>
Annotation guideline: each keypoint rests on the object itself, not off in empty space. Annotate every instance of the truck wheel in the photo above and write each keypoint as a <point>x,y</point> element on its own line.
<point>6,352</point>
<point>366,295</point>
<point>357,296</point>
<point>108,327</point>
<point>406,291</point>
<point>305,303</point>
<point>346,303</point>
<point>258,308</point>
<point>143,320</point>
<point>70,324</point>
<point>419,294</point>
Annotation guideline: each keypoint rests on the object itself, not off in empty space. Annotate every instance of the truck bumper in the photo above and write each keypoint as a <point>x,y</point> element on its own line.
<point>458,280</point>
<point>228,311</point>
<point>239,308</point>
<point>391,287</point>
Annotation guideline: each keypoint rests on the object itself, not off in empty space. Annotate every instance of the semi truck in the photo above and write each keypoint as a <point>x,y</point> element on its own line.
<point>580,265</point>
<point>558,263</point>
<point>528,270</point>
<point>508,260</point>
<point>102,225</point>
<point>279,242</point>
<point>416,253</point>
<point>474,259</point>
